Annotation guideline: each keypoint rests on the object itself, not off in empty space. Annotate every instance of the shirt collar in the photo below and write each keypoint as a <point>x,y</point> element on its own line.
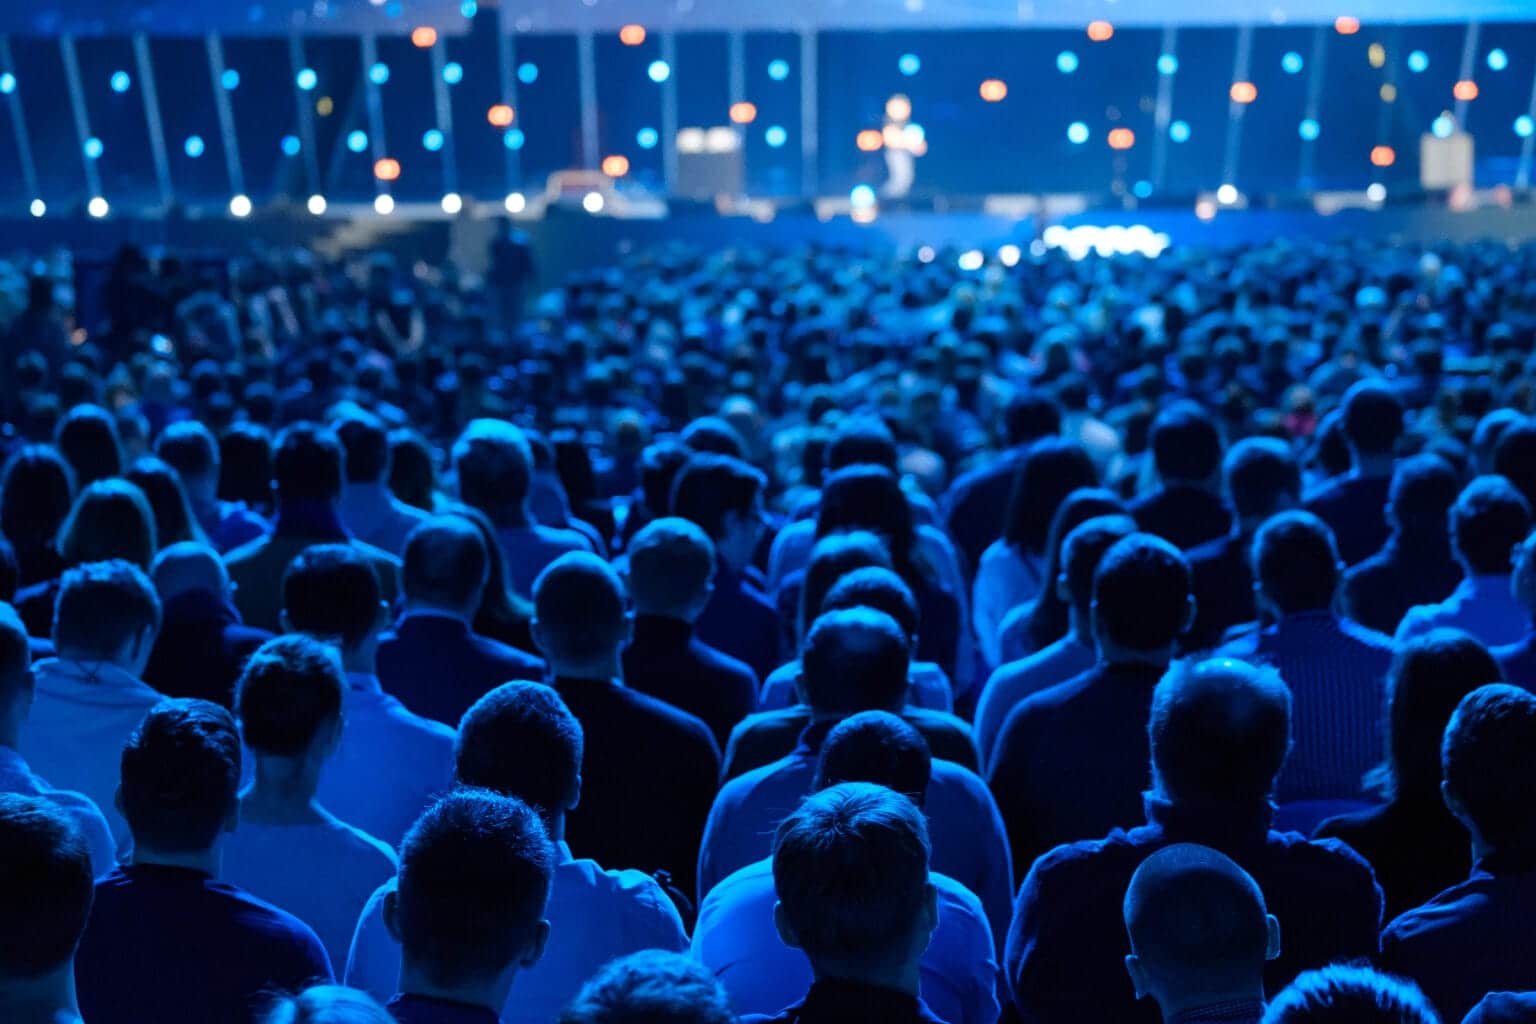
<point>310,519</point>
<point>1221,825</point>
<point>367,682</point>
<point>835,999</point>
<point>1237,1011</point>
<point>442,1011</point>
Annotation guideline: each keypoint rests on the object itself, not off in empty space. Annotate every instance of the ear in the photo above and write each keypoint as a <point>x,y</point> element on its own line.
<point>799,685</point>
<point>1138,974</point>
<point>232,819</point>
<point>117,801</point>
<point>1190,611</point>
<point>536,631</point>
<point>575,795</point>
<point>930,913</point>
<point>382,622</point>
<point>781,925</point>
<point>392,914</point>
<point>1062,592</point>
<point>535,950</point>
<point>1454,805</point>
<point>629,629</point>
<point>1272,947</point>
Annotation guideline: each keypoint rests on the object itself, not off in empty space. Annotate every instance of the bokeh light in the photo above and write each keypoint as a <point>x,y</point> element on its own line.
<point>453,72</point>
<point>527,73</point>
<point>1383,156</point>
<point>378,74</point>
<point>384,204</point>
<point>514,139</point>
<point>93,148</point>
<point>357,141</point>
<point>290,145</point>
<point>775,136</point>
<point>1121,138</point>
<point>1346,25</point>
<point>1100,31</point>
<point>1077,133</point>
<point>1167,64</point>
<point>121,81</point>
<point>432,140</point>
<point>194,146</point>
<point>230,79</point>
<point>7,83</point>
<point>616,166</point>
<point>1443,127</point>
<point>1466,90</point>
<point>1244,92</point>
<point>632,35</point>
<point>869,140</point>
<point>1292,63</point>
<point>659,71</point>
<point>387,169</point>
<point>1497,60</point>
<point>423,37</point>
<point>909,64</point>
<point>306,79</point>
<point>743,113</point>
<point>240,206</point>
<point>1309,129</point>
<point>500,115</point>
<point>1418,62</point>
<point>1179,131</point>
<point>1066,62</point>
<point>778,70</point>
<point>994,90</point>
<point>647,138</point>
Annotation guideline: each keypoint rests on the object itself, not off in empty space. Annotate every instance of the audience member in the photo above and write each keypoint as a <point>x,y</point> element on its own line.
<point>189,448</point>
<point>1471,939</point>
<point>87,438</point>
<point>1219,731</point>
<point>432,659</point>
<point>372,513</point>
<point>162,488</point>
<point>1353,504</point>
<point>166,940</point>
<point>1504,1008</point>
<point>202,645</point>
<point>327,1004</point>
<point>650,987</point>
<point>671,572</point>
<point>1200,936</point>
<point>37,490</point>
<point>1343,994</point>
<point>1186,509</point>
<point>1518,659</point>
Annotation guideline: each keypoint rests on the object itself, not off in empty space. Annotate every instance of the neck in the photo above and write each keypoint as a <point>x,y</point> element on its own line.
<point>10,731</point>
<point>491,994</point>
<point>423,608</point>
<point>609,667</point>
<point>1373,465</point>
<point>1174,1003</point>
<point>513,517</point>
<point>47,999</point>
<point>360,660</point>
<point>283,793</point>
<point>1113,655</point>
<point>75,654</point>
<point>207,861</point>
<point>1081,625</point>
<point>685,616</point>
<point>903,979</point>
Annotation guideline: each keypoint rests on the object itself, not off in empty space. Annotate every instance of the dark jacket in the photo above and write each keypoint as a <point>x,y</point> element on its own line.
<point>1405,572</point>
<point>437,668</point>
<point>201,649</point>
<point>1184,515</point>
<point>1355,508</point>
<point>1416,848</point>
<point>835,1001</point>
<point>740,621</point>
<point>765,737</point>
<point>667,661</point>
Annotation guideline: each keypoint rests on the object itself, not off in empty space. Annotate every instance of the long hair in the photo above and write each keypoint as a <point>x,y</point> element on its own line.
<point>1050,618</point>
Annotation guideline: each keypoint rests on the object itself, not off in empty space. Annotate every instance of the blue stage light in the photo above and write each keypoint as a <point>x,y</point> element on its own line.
<point>93,148</point>
<point>1142,189</point>
<point>121,82</point>
<point>909,64</point>
<point>378,74</point>
<point>659,71</point>
<point>1418,62</point>
<point>1443,126</point>
<point>1077,133</point>
<point>647,138</point>
<point>230,79</point>
<point>7,83</point>
<point>453,72</point>
<point>513,139</point>
<point>1498,60</point>
<point>1167,64</point>
<point>307,79</point>
<point>1525,126</point>
<point>1309,129</point>
<point>290,145</point>
<point>778,70</point>
<point>1066,62</point>
<point>1292,63</point>
<point>432,140</point>
<point>193,147</point>
<point>527,73</point>
<point>862,197</point>
<point>469,8</point>
<point>775,136</point>
<point>1178,131</point>
<point>357,141</point>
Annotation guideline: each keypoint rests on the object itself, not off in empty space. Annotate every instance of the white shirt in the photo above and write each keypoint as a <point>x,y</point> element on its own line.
<point>735,938</point>
<point>323,874</point>
<point>16,777</point>
<point>389,767</point>
<point>594,916</point>
<point>82,716</point>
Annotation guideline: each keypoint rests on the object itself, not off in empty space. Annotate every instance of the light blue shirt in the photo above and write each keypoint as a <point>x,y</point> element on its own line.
<point>16,777</point>
<point>927,687</point>
<point>970,844</point>
<point>735,938</point>
<point>1005,579</point>
<point>390,765</point>
<point>594,916</point>
<point>323,874</point>
<point>1480,605</point>
<point>1011,683</point>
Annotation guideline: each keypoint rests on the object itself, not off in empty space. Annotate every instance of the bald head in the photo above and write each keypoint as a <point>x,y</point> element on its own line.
<point>188,567</point>
<point>580,621</point>
<point>1198,929</point>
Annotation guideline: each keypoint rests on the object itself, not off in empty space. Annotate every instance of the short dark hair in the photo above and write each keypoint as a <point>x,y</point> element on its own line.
<point>1423,490</point>
<point>1296,562</point>
<point>109,519</point>
<point>855,660</point>
<point>307,463</point>
<point>861,441</point>
<point>1373,417</point>
<point>366,440</point>
<point>45,886</point>
<point>1185,443</point>
<point>1082,552</point>
<point>1052,468</point>
<point>189,447</point>
<point>521,740</point>
<point>1141,593</point>
<point>579,603</point>
<point>876,747</point>
<point>652,986</point>
<point>1514,457</point>
<point>714,434</point>
<point>1030,416</point>
<point>332,591</point>
<point>1489,760</point>
<point>1259,471</point>
<point>290,688</point>
<point>1341,994</point>
<point>671,564</point>
<point>36,493</point>
<point>1489,518</point>
<point>168,502</point>
<point>474,880</point>
<point>850,867</point>
<point>709,486</point>
<point>494,466</point>
<point>1192,913</point>
<point>832,558</point>
<point>1219,731</point>
<point>445,562</point>
<point>181,776</point>
<point>87,438</point>
<point>881,589</point>
<point>660,463</point>
<point>102,605</point>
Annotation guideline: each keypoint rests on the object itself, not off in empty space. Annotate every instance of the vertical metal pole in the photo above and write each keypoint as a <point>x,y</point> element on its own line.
<point>1235,110</point>
<point>1164,111</point>
<point>1308,164</point>
<point>77,107</point>
<point>444,116</point>
<point>669,114</point>
<point>586,58</point>
<point>19,125</point>
<point>810,155</point>
<point>152,118</point>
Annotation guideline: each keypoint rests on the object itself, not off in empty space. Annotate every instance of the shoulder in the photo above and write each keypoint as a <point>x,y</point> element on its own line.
<point>563,538</point>
<point>378,556</point>
<point>718,661</point>
<point>1071,867</point>
<point>680,724</point>
<point>934,720</point>
<point>365,847</point>
<point>248,551</point>
<point>1326,862</point>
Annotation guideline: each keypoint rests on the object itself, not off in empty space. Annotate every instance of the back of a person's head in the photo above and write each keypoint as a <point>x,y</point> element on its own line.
<point>1342,994</point>
<point>101,607</point>
<point>865,497</point>
<point>1030,416</point>
<point>579,609</point>
<point>1489,760</point>
<point>671,566</point>
<point>1262,476</point>
<point>87,438</point>
<point>245,464</point>
<point>45,888</point>
<point>710,486</point>
<point>876,747</point>
<point>880,589</point>
<point>365,439</point>
<point>36,492</point>
<point>1197,924</point>
<point>1373,418</point>
<point>850,867</point>
<point>494,466</point>
<point>331,592</point>
<point>521,740</point>
<point>1141,593</point>
<point>660,463</point>
<point>713,434</point>
<point>190,449</point>
<point>1084,549</point>
<point>1430,675</point>
<point>167,497</point>
<point>861,441</point>
<point>1489,518</point>
<point>1514,457</point>
<point>326,1004</point>
<point>651,987</point>
<point>290,691</point>
<point>832,558</point>
<point>1296,562</point>
<point>307,463</point>
<point>1423,490</point>
<point>1052,468</point>
<point>855,660</point>
<point>180,776</point>
<point>474,880</point>
<point>188,567</point>
<point>109,519</point>
<point>445,564</point>
<point>1219,732</point>
<point>1185,443</point>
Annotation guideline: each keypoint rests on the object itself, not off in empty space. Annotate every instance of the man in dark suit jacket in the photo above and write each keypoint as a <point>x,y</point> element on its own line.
<point>1219,733</point>
<point>649,771</point>
<point>1187,509</point>
<point>671,572</point>
<point>1071,762</point>
<point>202,645</point>
<point>432,661</point>
<point>1354,504</point>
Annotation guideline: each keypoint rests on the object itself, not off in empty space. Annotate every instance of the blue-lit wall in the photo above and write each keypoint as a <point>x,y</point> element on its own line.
<point>1065,94</point>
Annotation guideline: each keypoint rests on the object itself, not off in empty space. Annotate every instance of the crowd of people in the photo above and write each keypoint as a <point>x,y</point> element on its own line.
<point>804,636</point>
